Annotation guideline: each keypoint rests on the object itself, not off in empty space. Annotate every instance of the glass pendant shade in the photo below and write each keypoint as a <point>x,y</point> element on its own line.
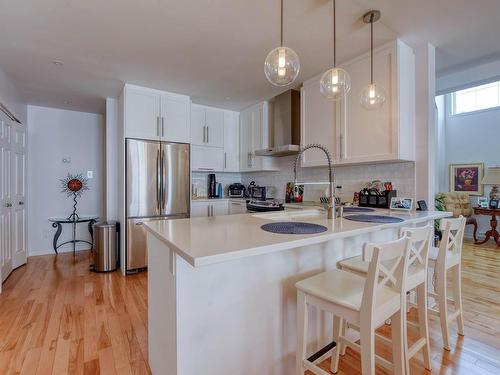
<point>282,66</point>
<point>372,97</point>
<point>335,84</point>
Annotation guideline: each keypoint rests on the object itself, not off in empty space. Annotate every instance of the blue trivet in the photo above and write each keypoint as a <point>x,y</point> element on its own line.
<point>358,209</point>
<point>374,218</point>
<point>292,227</point>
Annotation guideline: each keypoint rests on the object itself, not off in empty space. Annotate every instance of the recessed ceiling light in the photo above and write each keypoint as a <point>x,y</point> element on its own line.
<point>227,98</point>
<point>66,102</point>
<point>57,62</point>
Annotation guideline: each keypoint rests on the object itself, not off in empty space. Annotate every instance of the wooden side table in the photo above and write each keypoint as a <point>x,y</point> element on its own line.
<point>493,212</point>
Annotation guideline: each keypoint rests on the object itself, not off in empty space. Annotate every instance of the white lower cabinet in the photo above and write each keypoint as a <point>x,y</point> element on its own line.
<point>207,159</point>
<point>237,207</point>
<point>209,208</point>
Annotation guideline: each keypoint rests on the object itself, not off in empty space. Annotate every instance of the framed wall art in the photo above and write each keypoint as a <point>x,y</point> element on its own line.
<point>467,178</point>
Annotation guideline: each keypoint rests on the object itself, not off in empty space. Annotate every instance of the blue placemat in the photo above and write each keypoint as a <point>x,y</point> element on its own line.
<point>291,227</point>
<point>374,218</point>
<point>357,209</point>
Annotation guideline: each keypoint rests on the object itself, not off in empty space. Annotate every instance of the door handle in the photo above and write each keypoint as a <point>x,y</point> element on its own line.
<point>8,205</point>
<point>21,203</point>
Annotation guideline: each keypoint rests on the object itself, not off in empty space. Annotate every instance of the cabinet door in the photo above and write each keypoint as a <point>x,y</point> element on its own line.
<point>200,209</point>
<point>317,124</point>
<point>5,199</point>
<point>231,142</point>
<point>369,135</point>
<point>237,207</point>
<point>142,113</point>
<point>198,125</point>
<point>18,192</point>
<point>215,127</point>
<point>256,136</point>
<point>219,208</point>
<point>205,158</point>
<point>245,140</point>
<point>175,112</point>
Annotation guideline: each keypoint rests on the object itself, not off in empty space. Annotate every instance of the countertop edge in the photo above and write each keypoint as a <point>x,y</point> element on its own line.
<point>276,247</point>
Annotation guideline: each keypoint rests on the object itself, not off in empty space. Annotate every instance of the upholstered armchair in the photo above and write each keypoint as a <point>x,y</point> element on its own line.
<point>459,204</point>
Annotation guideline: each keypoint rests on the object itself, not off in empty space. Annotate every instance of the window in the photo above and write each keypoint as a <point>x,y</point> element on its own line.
<point>476,98</point>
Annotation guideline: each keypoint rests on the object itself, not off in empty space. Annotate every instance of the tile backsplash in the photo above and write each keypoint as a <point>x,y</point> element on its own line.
<point>351,178</point>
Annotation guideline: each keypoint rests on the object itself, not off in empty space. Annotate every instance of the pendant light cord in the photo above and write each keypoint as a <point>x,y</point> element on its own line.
<point>281,36</point>
<point>334,35</point>
<point>371,47</point>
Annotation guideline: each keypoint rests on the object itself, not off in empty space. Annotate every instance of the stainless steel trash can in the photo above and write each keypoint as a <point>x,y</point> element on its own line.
<point>105,248</point>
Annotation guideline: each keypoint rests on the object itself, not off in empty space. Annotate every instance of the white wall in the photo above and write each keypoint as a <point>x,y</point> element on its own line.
<point>53,135</point>
<point>470,138</point>
<point>112,137</point>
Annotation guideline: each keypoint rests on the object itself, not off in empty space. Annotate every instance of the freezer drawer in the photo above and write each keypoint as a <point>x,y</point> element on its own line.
<point>137,254</point>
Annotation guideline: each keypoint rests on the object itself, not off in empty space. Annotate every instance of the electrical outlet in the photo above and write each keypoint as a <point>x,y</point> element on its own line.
<point>90,174</point>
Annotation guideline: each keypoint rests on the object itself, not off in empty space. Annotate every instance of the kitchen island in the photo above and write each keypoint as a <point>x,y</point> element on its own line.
<point>221,291</point>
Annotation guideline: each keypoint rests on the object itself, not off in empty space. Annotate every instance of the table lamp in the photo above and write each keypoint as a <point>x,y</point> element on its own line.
<point>492,177</point>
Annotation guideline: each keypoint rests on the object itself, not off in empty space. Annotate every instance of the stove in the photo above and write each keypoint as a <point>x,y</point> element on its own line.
<point>264,206</point>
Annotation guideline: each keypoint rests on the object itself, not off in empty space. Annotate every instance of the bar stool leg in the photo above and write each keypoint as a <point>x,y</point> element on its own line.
<point>338,326</point>
<point>301,332</point>
<point>443,308</point>
<point>367,341</point>
<point>423,323</point>
<point>342,346</point>
<point>457,297</point>
<point>398,343</point>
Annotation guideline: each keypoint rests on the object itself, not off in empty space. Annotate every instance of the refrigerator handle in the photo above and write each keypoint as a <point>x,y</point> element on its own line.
<point>158,181</point>
<point>162,174</point>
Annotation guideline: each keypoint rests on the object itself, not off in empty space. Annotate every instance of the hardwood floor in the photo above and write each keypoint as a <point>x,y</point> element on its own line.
<point>56,317</point>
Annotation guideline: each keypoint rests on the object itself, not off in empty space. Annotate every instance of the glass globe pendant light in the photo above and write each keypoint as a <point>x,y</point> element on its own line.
<point>282,64</point>
<point>372,96</point>
<point>335,83</point>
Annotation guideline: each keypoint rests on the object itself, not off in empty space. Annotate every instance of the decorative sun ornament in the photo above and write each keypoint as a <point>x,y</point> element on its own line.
<point>74,185</point>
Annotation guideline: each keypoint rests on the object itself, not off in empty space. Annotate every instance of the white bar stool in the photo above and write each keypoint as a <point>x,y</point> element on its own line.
<point>448,257</point>
<point>421,241</point>
<point>365,302</point>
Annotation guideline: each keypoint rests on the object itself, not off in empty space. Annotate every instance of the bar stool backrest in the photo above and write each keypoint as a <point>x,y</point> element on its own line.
<point>421,240</point>
<point>452,239</point>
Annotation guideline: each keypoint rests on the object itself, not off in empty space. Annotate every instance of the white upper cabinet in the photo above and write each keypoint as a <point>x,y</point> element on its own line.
<point>317,123</point>
<point>353,134</point>
<point>175,112</point>
<point>254,135</point>
<point>231,141</point>
<point>207,126</point>
<point>156,115</point>
<point>142,112</point>
<point>207,159</point>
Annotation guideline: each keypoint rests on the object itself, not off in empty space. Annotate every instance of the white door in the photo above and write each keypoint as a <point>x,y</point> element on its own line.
<point>142,113</point>
<point>198,125</point>
<point>215,127</point>
<point>231,142</point>
<point>175,112</point>
<point>205,158</point>
<point>317,124</point>
<point>219,208</point>
<point>18,189</point>
<point>200,209</point>
<point>5,199</point>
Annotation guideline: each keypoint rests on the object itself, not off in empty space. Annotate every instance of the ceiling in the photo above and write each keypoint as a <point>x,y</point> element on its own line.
<point>213,50</point>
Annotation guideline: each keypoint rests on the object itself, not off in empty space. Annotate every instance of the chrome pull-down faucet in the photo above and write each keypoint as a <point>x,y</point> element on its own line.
<point>331,199</point>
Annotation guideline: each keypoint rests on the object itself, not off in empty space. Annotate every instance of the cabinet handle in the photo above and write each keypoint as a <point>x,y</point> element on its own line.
<point>163,126</point>
<point>204,134</point>
<point>158,126</point>
<point>212,210</point>
<point>8,205</point>
<point>208,132</point>
<point>21,203</point>
<point>225,160</point>
<point>208,210</point>
<point>205,169</point>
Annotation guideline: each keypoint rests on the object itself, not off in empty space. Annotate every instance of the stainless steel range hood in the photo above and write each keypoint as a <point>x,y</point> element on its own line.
<point>285,127</point>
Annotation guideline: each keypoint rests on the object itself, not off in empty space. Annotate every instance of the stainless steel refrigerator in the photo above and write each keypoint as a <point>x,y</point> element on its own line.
<point>157,178</point>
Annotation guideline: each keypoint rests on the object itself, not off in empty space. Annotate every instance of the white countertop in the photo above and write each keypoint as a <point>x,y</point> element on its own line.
<point>206,240</point>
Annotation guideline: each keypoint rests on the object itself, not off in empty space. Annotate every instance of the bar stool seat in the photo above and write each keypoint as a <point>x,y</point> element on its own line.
<point>346,289</point>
